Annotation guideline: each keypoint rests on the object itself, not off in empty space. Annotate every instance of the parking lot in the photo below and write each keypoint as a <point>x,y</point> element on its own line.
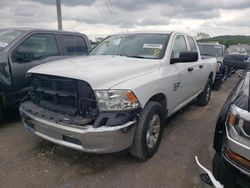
<point>28,161</point>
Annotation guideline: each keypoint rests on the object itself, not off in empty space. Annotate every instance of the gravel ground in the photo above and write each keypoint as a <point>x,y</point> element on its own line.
<point>28,161</point>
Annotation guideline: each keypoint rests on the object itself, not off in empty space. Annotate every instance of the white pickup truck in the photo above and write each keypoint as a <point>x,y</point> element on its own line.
<point>118,96</point>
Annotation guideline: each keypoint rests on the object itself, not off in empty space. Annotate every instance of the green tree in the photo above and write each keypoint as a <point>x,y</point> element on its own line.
<point>202,36</point>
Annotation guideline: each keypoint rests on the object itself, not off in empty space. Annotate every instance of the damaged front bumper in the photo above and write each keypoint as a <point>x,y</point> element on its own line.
<point>86,138</point>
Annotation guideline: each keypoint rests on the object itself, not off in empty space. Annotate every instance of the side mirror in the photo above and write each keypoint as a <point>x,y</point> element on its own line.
<point>236,61</point>
<point>21,55</point>
<point>185,57</point>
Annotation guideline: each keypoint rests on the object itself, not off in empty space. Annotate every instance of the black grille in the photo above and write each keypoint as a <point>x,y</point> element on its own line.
<point>64,95</point>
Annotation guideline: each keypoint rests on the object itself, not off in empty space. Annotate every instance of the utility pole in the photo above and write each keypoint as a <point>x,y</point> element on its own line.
<point>59,14</point>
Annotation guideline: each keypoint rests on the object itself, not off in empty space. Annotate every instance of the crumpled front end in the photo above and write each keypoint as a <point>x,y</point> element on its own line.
<point>65,111</point>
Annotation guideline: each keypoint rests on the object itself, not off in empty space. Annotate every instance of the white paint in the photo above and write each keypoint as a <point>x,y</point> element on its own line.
<point>145,77</point>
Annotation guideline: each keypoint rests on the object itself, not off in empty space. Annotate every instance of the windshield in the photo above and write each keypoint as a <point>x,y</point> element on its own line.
<point>151,46</point>
<point>211,50</point>
<point>7,37</point>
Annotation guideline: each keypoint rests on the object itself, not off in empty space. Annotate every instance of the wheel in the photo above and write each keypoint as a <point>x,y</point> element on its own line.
<point>148,132</point>
<point>217,167</point>
<point>229,71</point>
<point>204,97</point>
<point>217,85</point>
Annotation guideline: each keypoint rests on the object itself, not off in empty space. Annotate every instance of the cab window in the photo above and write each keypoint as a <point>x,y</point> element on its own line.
<point>37,46</point>
<point>192,44</point>
<point>180,45</point>
<point>74,45</point>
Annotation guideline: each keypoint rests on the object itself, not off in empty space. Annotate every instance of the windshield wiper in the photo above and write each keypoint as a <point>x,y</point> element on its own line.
<point>132,56</point>
<point>208,54</point>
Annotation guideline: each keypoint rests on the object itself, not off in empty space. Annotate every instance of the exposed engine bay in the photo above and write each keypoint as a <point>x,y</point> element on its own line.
<point>69,101</point>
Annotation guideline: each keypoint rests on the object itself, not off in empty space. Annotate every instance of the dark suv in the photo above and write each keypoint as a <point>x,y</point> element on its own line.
<point>21,49</point>
<point>231,162</point>
<point>218,51</point>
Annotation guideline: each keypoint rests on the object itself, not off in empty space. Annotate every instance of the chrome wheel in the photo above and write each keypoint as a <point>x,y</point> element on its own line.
<point>153,130</point>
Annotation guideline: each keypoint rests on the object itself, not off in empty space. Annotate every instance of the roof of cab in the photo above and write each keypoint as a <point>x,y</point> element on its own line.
<point>151,32</point>
<point>37,30</point>
<point>211,43</point>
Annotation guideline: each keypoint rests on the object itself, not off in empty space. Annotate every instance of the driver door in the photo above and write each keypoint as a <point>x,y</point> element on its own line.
<point>29,53</point>
<point>187,71</point>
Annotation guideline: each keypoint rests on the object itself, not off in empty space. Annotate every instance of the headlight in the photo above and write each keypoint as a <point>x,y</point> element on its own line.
<point>238,125</point>
<point>116,100</point>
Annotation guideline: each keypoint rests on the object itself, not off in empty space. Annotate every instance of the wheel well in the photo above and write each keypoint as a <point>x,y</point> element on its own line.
<point>160,98</point>
<point>219,134</point>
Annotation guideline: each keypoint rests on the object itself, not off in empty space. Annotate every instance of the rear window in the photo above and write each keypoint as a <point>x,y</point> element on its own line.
<point>211,50</point>
<point>192,45</point>
<point>74,45</point>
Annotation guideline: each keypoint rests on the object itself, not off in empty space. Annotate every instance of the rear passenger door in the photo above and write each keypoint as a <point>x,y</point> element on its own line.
<point>200,67</point>
<point>187,70</point>
<point>73,45</point>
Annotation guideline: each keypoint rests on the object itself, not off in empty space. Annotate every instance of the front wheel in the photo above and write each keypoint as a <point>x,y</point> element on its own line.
<point>229,71</point>
<point>204,97</point>
<point>148,132</point>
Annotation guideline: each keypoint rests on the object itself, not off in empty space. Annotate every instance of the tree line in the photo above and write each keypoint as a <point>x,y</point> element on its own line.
<point>226,40</point>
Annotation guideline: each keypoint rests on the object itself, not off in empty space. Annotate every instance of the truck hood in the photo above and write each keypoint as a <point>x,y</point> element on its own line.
<point>101,72</point>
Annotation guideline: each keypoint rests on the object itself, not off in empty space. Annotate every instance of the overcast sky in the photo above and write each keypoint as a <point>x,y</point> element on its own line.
<point>104,17</point>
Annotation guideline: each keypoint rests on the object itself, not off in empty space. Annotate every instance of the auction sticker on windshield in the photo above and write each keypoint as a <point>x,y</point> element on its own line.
<point>153,46</point>
<point>3,44</point>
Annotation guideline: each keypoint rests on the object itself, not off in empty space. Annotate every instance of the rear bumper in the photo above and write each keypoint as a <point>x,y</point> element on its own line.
<point>87,138</point>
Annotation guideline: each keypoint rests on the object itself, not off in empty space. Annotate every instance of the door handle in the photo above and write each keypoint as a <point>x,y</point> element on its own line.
<point>190,69</point>
<point>201,66</point>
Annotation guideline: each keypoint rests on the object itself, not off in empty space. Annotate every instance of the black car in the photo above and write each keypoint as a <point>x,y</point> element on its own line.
<point>217,51</point>
<point>231,162</point>
<point>22,49</point>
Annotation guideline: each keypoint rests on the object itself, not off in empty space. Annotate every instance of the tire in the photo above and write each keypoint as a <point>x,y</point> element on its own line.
<point>204,97</point>
<point>229,71</point>
<point>217,167</point>
<point>1,114</point>
<point>217,85</point>
<point>147,140</point>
